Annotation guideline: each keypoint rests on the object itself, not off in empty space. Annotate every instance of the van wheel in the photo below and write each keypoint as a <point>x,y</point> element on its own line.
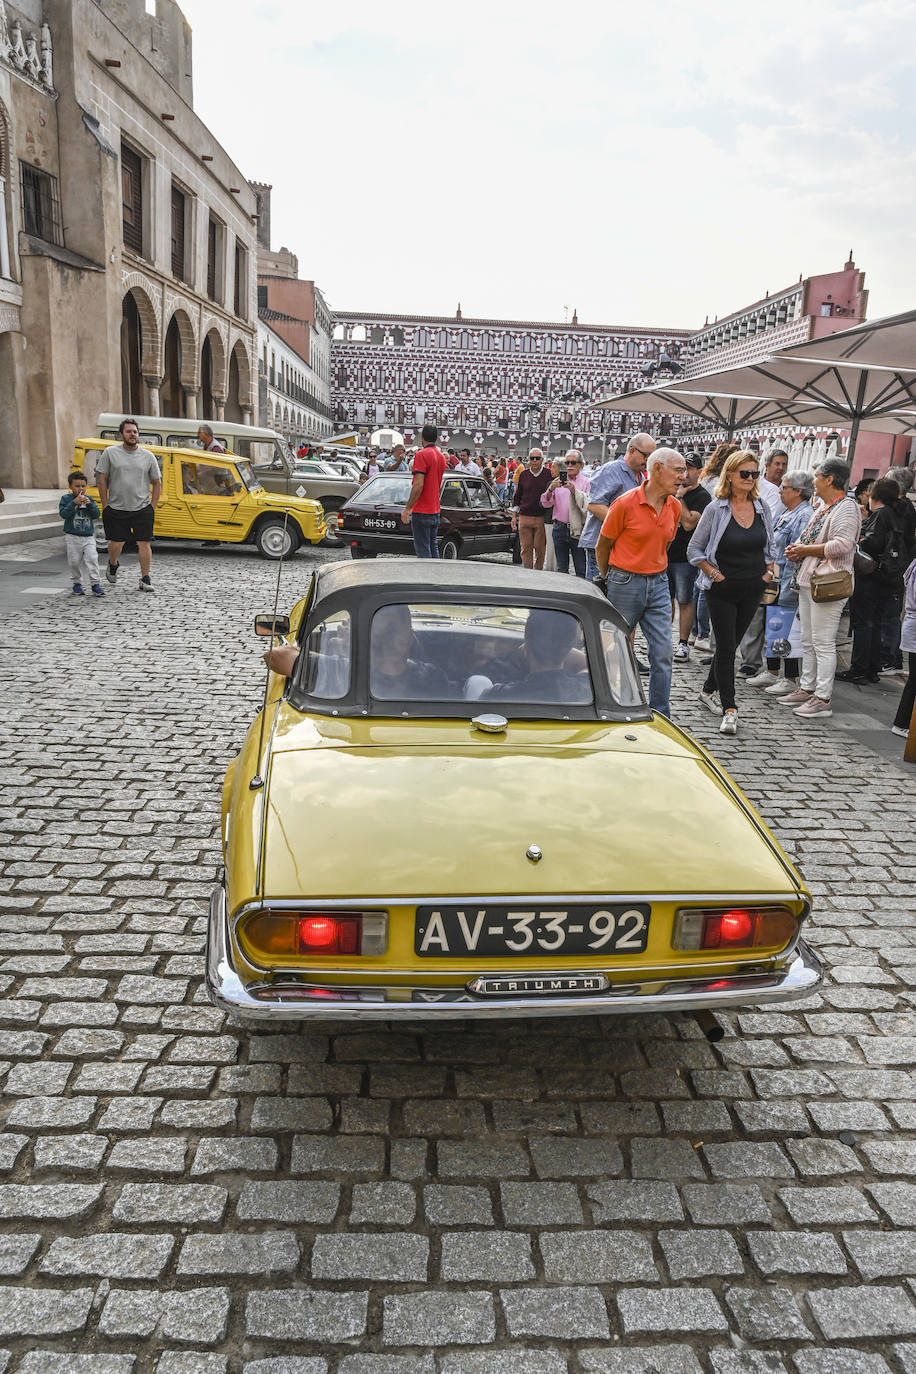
<point>449,548</point>
<point>274,540</point>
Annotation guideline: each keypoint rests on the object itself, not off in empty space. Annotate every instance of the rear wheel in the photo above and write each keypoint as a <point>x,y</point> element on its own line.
<point>449,547</point>
<point>275,540</point>
<point>333,535</point>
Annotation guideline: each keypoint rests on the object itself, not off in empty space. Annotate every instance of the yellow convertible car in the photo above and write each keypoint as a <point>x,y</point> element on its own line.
<point>457,803</point>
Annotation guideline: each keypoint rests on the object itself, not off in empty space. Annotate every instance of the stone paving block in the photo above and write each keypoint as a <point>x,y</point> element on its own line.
<point>89,1043</point>
<point>11,1147</point>
<point>404,1080</point>
<point>597,1256</point>
<point>634,1201</point>
<point>778,1119</point>
<point>108,1078</point>
<point>383,1204</point>
<point>898,1200</point>
<point>481,1159</point>
<point>162,1078</point>
<point>563,1157</point>
<point>544,1118</point>
<point>615,1119</point>
<point>43,1312</point>
<point>665,1159</point>
<point>152,1155</point>
<point>905,1355</point>
<point>848,1116</point>
<point>691,1257</point>
<point>767,1314</point>
<point>387,1364</point>
<point>540,1204</point>
<point>746,1362</point>
<point>130,1114</point>
<point>307,1315</point>
<point>395,1257</point>
<point>647,1359</point>
<point>220,1154</point>
<point>50,1113</point>
<point>748,1159</point>
<point>839,1361</point>
<point>408,1159</point>
<point>198,1316</point>
<point>823,1158</point>
<point>891,1156</point>
<point>880,1085</point>
<point>457,1205</point>
<point>434,1319</point>
<point>497,1362</point>
<point>555,1312</point>
<point>654,1310</point>
<point>287,1201</point>
<point>490,1256</point>
<point>860,1313</point>
<point>49,1201</point>
<point>882,1254</point>
<point>696,1119</point>
<point>269,1252</point>
<point>63,989</point>
<point>260,1079</point>
<point>46,1362</point>
<point>827,1206</point>
<point>795,1252</point>
<point>304,1364</point>
<point>108,1254</point>
<point>444,1117</point>
<point>21,1044</point>
<point>191,1362</point>
<point>68,1013</point>
<point>352,1154</point>
<point>291,1114</point>
<point>178,1202</point>
<point>16,1253</point>
<point>359,1115</point>
<point>204,1116</point>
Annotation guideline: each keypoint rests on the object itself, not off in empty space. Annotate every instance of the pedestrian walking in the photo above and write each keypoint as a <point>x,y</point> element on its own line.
<point>527,513</point>
<point>901,725</point>
<point>422,509</point>
<point>609,482</point>
<point>891,654</point>
<point>567,497</point>
<point>632,557</point>
<point>78,512</point>
<point>130,485</point>
<point>682,575</point>
<point>467,464</point>
<point>500,478</point>
<point>827,546</point>
<point>733,549</point>
<point>753,643</point>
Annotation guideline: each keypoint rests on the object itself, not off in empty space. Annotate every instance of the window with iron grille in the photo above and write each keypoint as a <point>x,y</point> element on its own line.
<point>178,224</point>
<point>40,204</point>
<point>132,198</point>
<point>240,303</point>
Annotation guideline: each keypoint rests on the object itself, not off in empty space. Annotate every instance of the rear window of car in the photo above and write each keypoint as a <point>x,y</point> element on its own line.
<point>383,491</point>
<point>457,653</point>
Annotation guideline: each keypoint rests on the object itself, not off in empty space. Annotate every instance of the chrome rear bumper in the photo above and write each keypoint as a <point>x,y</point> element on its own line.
<point>299,1000</point>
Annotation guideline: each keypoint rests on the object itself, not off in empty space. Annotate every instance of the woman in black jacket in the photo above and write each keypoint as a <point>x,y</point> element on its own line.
<point>883,540</point>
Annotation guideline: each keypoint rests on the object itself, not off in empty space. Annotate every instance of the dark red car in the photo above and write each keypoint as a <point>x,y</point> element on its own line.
<point>472,519</point>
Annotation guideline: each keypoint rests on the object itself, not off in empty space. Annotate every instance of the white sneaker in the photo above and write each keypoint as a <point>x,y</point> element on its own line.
<point>763,679</point>
<point>702,644</point>
<point>681,653</point>
<point>145,584</point>
<point>692,638</point>
<point>711,701</point>
<point>781,687</point>
<point>729,724</point>
<point>899,730</point>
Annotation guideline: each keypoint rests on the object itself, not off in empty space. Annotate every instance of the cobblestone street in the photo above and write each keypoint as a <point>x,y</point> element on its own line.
<point>611,1196</point>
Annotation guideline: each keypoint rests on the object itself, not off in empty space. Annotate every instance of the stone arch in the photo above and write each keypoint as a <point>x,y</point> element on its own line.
<point>151,354</point>
<point>239,353</point>
<point>213,378</point>
<point>190,353</point>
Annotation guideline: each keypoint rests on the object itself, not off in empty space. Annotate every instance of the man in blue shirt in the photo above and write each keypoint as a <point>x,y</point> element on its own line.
<point>609,482</point>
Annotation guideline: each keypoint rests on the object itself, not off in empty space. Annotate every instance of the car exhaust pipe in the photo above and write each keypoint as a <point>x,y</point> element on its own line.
<point>709,1025</point>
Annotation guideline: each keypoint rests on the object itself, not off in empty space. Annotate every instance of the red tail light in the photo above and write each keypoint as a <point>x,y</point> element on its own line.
<point>734,928</point>
<point>330,934</point>
<point>278,936</point>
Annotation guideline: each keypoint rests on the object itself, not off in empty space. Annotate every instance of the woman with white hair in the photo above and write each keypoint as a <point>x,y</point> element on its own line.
<point>795,492</point>
<point>828,545</point>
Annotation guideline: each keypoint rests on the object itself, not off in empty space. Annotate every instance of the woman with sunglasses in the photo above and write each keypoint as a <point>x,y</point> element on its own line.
<point>734,550</point>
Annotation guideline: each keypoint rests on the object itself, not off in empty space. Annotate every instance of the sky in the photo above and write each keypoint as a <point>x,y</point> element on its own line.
<point>649,163</point>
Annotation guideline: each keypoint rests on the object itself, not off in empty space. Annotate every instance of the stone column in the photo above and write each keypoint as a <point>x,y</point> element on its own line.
<point>152,390</point>
<point>219,407</point>
<point>191,398</point>
<point>246,415</point>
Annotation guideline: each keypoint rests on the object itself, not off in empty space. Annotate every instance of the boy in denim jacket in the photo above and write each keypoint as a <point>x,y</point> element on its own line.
<point>78,511</point>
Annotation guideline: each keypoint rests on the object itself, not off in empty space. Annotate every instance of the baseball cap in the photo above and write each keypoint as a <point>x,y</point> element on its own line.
<point>694,460</point>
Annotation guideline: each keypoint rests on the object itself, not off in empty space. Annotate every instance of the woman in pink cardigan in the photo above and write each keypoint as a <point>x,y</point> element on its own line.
<point>827,545</point>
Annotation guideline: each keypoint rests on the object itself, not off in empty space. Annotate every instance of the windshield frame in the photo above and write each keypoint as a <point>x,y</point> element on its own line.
<point>360,703</point>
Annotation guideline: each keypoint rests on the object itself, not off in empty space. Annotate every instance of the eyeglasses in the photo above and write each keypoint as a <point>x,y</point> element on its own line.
<point>573,463</point>
<point>748,472</point>
<point>647,456</point>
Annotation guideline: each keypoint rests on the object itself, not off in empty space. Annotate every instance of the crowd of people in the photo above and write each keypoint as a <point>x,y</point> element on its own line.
<point>753,564</point>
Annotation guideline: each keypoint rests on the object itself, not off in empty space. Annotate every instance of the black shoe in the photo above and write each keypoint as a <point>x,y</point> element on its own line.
<point>855,677</point>
<point>746,671</point>
<point>643,667</point>
<point>707,660</point>
<point>111,573</point>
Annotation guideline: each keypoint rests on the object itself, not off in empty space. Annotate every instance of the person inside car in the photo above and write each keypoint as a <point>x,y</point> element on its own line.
<point>394,671</point>
<point>550,639</point>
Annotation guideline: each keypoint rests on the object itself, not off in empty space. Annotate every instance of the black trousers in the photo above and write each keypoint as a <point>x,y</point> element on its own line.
<point>907,696</point>
<point>732,605</point>
<point>868,606</point>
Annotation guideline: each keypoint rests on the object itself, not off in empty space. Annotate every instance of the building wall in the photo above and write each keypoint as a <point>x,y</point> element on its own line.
<point>164,39</point>
<point>66,365</point>
<point>293,397</point>
<point>493,383</point>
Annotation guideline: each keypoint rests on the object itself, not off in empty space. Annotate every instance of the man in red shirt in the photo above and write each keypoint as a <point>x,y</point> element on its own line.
<point>422,509</point>
<point>632,556</point>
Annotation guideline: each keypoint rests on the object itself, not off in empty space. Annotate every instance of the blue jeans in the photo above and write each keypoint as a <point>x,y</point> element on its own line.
<point>643,599</point>
<point>424,528</point>
<point>591,564</point>
<point>702,613</point>
<point>566,546</point>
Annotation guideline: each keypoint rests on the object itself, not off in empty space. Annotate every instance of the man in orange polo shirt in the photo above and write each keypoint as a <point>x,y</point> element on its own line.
<point>632,555</point>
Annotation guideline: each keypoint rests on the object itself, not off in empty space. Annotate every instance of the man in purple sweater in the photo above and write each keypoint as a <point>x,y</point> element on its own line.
<point>528,513</point>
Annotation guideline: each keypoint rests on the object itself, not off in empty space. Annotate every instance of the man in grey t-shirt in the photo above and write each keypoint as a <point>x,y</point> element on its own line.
<point>130,486</point>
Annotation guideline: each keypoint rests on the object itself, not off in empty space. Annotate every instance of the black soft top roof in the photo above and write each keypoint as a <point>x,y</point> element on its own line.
<point>429,576</point>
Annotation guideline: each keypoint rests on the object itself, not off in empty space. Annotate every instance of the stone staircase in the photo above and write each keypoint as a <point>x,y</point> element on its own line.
<point>27,515</point>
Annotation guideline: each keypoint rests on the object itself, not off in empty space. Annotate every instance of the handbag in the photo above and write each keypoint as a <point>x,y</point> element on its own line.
<point>770,594</point>
<point>863,562</point>
<point>831,586</point>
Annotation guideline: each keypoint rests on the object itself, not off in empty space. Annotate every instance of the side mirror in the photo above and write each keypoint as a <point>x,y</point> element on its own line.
<point>270,625</point>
